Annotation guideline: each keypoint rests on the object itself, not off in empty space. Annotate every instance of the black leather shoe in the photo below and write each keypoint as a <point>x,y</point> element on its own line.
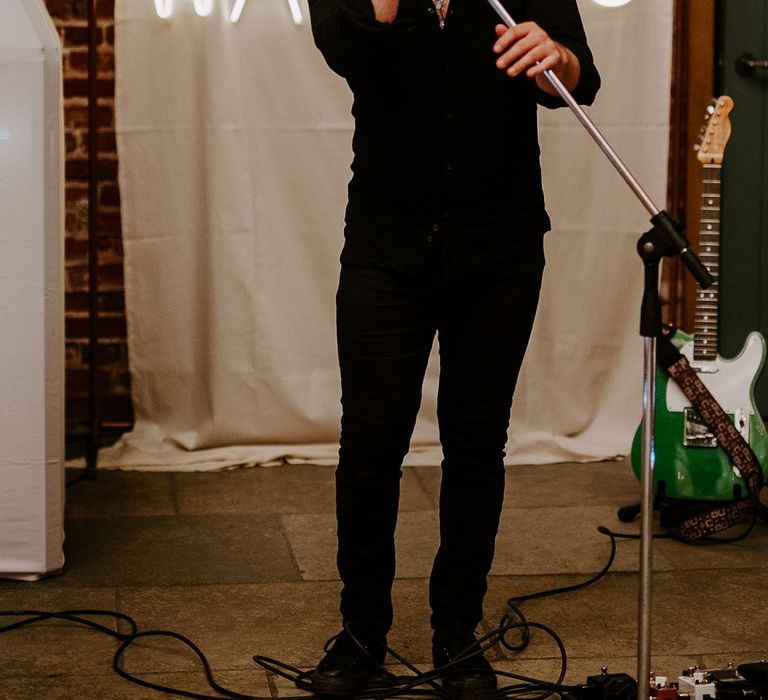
<point>346,668</point>
<point>469,676</point>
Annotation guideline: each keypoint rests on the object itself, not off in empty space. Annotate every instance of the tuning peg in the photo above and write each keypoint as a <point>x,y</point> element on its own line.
<point>711,110</point>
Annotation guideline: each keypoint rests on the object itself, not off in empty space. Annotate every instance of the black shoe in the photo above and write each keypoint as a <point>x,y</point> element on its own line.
<point>469,676</point>
<point>346,668</point>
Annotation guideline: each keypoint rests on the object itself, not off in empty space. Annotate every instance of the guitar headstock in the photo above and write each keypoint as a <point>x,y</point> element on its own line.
<point>715,132</point>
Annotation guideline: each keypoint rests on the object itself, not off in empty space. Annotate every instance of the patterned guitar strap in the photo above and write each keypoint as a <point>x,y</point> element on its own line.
<point>728,437</point>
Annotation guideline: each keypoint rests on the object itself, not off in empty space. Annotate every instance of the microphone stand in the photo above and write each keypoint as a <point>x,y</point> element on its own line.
<point>664,239</point>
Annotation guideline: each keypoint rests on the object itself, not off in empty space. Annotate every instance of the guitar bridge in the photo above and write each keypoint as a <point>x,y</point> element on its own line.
<point>696,432</point>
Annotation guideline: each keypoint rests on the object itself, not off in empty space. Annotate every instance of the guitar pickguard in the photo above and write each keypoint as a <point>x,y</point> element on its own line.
<point>729,381</point>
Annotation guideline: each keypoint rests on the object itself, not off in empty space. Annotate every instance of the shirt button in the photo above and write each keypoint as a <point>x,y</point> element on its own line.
<point>448,165</point>
<point>435,228</point>
<point>429,239</point>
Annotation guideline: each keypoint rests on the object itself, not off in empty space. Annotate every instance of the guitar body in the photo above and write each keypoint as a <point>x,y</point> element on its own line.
<point>686,464</point>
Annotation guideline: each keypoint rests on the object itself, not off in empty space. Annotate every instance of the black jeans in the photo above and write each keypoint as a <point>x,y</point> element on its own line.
<point>386,323</point>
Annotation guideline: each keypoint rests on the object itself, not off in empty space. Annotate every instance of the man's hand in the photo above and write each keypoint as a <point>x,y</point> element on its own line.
<point>520,48</point>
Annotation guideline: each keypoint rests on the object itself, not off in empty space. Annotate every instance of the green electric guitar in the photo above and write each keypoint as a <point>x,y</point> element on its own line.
<point>688,463</point>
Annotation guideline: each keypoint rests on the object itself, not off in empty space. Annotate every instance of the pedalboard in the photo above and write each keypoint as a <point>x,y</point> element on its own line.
<point>744,682</point>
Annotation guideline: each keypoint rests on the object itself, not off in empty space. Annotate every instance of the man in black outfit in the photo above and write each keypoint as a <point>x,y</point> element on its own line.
<point>444,229</point>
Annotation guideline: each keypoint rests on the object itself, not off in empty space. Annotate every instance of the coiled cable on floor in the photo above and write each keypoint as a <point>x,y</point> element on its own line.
<point>385,685</point>
<point>397,685</point>
<point>390,685</point>
<point>126,639</point>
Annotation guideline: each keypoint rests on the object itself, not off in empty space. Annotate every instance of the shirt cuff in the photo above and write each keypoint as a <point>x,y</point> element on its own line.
<point>589,79</point>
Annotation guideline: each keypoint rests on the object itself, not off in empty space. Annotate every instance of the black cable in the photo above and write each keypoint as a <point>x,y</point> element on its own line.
<point>548,688</point>
<point>515,611</point>
<point>731,540</point>
<point>402,660</point>
<point>575,587</point>
<point>156,686</point>
<point>393,686</point>
<point>408,684</point>
<point>71,616</point>
<point>507,621</point>
<point>126,639</point>
<point>398,685</point>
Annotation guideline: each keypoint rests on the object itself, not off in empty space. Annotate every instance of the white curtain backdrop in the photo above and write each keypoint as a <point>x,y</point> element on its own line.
<point>234,143</point>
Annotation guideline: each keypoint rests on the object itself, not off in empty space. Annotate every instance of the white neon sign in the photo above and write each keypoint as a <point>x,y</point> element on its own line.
<point>164,8</point>
<point>237,10</point>
<point>298,17</point>
<point>204,8</point>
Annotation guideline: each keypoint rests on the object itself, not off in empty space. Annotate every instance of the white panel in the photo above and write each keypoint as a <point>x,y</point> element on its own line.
<point>16,29</point>
<point>31,293</point>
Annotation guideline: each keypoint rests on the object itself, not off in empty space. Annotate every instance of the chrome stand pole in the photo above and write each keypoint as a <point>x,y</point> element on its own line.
<point>646,539</point>
<point>667,241</point>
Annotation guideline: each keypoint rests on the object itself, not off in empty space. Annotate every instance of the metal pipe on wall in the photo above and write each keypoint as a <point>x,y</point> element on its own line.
<point>92,450</point>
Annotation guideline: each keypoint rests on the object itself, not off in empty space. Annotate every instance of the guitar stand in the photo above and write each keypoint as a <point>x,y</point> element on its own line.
<point>628,513</point>
<point>651,247</point>
<point>663,239</point>
<point>671,512</point>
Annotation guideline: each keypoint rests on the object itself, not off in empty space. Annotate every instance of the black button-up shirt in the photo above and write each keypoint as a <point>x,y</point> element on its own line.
<point>445,144</point>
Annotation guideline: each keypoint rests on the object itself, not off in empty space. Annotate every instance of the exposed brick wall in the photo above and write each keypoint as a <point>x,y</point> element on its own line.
<point>70,18</point>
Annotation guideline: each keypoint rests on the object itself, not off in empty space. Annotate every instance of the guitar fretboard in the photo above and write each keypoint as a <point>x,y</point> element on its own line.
<point>707,301</point>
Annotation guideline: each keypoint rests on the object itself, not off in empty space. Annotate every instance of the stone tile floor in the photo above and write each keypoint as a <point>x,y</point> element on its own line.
<point>242,562</point>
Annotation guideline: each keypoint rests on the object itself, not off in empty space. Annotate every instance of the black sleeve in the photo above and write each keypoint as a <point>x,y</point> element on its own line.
<point>561,20</point>
<point>347,33</point>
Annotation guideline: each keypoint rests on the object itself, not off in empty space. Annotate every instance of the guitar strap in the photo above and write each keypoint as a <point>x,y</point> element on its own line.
<point>728,437</point>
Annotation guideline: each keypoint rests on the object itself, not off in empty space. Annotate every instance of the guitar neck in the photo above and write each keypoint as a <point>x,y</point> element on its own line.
<point>707,301</point>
